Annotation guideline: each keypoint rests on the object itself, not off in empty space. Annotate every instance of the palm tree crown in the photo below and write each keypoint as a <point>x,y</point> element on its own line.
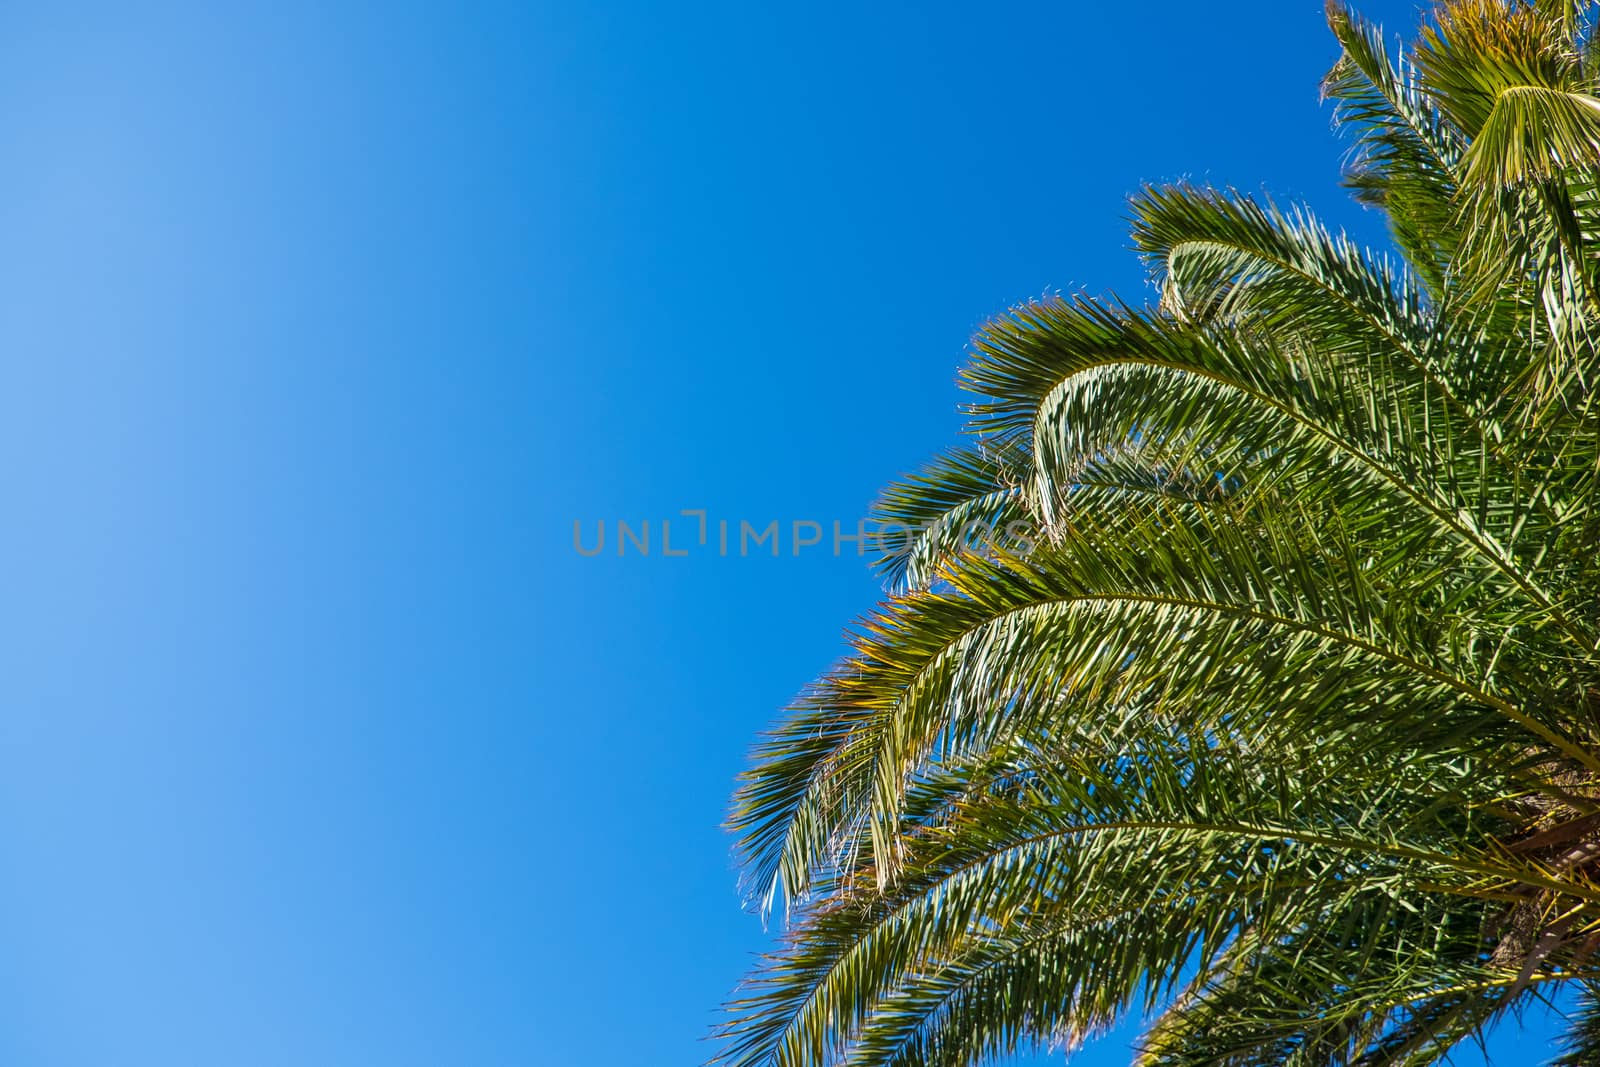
<point>1283,723</point>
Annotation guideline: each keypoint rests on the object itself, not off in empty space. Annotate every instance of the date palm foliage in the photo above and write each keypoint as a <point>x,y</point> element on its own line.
<point>1280,728</point>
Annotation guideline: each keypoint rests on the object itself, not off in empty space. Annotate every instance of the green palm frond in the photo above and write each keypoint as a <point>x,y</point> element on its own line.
<point>1279,721</point>
<point>1406,157</point>
<point>1581,1047</point>
<point>1383,980</point>
<point>960,502</point>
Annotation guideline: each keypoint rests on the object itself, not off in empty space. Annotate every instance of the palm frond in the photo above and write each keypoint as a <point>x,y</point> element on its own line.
<point>1279,721</point>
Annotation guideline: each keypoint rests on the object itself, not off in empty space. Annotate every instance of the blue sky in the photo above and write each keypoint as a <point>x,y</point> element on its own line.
<point>323,323</point>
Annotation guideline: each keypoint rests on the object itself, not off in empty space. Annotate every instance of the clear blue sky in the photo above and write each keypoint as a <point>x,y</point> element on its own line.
<point>322,323</point>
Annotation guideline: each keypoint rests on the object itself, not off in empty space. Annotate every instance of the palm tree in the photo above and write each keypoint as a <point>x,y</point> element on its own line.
<point>1282,723</point>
